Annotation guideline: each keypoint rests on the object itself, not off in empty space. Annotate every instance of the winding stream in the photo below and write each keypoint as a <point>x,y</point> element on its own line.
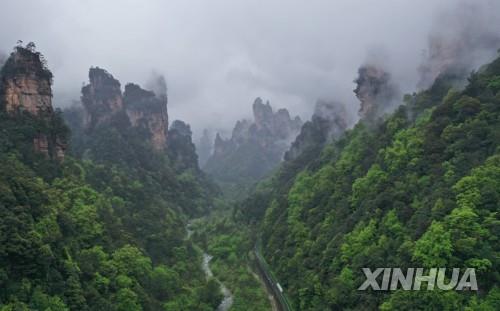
<point>227,302</point>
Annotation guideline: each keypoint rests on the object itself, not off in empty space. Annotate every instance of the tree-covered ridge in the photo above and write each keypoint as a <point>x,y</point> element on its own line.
<point>67,246</point>
<point>102,230</point>
<point>420,189</point>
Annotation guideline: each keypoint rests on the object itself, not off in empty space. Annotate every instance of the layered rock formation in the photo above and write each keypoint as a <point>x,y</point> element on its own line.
<point>148,111</point>
<point>329,121</point>
<point>26,83</point>
<point>255,147</point>
<point>25,90</point>
<point>104,103</point>
<point>102,97</point>
<point>375,91</point>
<point>270,127</point>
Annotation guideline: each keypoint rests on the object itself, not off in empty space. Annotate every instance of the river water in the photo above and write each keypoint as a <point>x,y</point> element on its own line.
<point>227,302</point>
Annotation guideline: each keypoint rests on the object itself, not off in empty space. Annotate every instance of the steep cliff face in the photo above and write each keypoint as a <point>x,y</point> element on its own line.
<point>375,91</point>
<point>25,91</point>
<point>50,146</point>
<point>28,94</point>
<point>148,111</point>
<point>221,146</point>
<point>272,125</point>
<point>105,104</point>
<point>262,114</point>
<point>256,146</point>
<point>26,83</point>
<point>102,97</point>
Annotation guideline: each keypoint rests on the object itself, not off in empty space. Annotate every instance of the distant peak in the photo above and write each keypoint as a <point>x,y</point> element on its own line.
<point>375,90</point>
<point>262,113</point>
<point>181,127</point>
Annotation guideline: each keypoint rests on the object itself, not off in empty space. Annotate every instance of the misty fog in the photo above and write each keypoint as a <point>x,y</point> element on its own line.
<point>218,56</point>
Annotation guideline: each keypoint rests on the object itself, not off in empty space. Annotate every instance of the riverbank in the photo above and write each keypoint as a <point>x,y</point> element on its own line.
<point>230,245</point>
<point>227,302</point>
<point>228,298</point>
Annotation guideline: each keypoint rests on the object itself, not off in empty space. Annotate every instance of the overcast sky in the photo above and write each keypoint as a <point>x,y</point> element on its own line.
<point>217,56</point>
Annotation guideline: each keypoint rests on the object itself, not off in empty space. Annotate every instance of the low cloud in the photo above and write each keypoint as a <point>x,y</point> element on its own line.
<point>218,56</point>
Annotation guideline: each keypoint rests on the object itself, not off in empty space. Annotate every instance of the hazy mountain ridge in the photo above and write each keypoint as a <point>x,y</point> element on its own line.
<point>255,147</point>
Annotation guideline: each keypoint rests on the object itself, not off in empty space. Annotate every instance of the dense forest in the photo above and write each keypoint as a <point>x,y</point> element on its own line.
<point>101,228</point>
<point>417,188</point>
<point>104,205</point>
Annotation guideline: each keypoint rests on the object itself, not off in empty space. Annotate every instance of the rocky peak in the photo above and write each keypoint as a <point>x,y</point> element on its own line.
<point>218,145</point>
<point>266,138</point>
<point>26,87</point>
<point>283,114</point>
<point>284,126</point>
<point>221,146</point>
<point>278,124</point>
<point>144,109</point>
<point>375,90</point>
<point>262,113</point>
<point>241,131</point>
<point>135,94</point>
<point>26,82</point>
<point>102,97</point>
<point>266,128</point>
<point>147,110</point>
<point>181,128</point>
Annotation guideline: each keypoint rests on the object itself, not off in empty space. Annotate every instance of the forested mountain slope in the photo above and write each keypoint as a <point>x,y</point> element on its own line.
<point>100,227</point>
<point>419,189</point>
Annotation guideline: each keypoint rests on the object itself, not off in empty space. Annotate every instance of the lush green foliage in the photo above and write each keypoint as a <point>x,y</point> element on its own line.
<point>230,245</point>
<point>420,189</point>
<point>104,230</point>
<point>66,245</point>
